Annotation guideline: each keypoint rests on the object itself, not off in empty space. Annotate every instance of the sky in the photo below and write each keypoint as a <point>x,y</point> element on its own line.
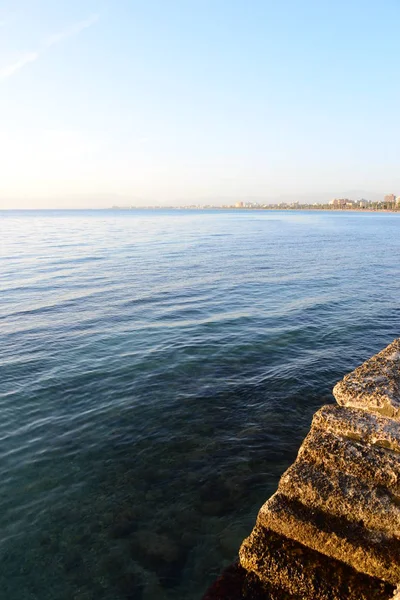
<point>193,101</point>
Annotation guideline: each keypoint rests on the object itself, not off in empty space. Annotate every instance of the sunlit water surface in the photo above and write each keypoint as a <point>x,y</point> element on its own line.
<point>159,371</point>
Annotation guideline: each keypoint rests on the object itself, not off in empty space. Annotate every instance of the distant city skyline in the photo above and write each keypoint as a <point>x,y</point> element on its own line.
<point>108,200</point>
<point>390,202</point>
<point>186,102</point>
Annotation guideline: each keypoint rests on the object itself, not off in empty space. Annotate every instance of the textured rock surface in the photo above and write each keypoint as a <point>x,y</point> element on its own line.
<point>375,385</point>
<point>371,464</point>
<point>342,495</point>
<point>359,426</point>
<point>372,553</point>
<point>397,594</point>
<point>293,568</point>
<point>332,530</point>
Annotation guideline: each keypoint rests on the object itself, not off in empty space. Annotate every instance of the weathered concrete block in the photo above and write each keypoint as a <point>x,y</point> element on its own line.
<point>366,462</point>
<point>358,425</point>
<point>370,552</point>
<point>375,385</point>
<point>342,495</point>
<point>292,568</point>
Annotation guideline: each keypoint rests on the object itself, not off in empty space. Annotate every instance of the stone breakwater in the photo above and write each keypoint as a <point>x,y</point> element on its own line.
<point>332,529</point>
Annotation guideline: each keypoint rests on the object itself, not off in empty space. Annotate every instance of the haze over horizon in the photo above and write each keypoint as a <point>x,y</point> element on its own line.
<point>190,101</point>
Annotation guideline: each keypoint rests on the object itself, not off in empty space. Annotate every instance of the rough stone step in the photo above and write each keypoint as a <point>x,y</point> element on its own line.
<point>369,552</point>
<point>375,385</point>
<point>292,567</point>
<point>359,425</point>
<point>342,495</point>
<point>371,464</point>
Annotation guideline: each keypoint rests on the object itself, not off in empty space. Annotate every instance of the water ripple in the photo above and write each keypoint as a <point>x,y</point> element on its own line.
<point>159,371</point>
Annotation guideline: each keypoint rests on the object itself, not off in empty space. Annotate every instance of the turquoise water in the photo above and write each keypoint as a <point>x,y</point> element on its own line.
<point>158,373</point>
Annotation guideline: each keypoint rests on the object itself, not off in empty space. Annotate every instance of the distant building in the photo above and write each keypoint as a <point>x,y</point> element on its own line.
<point>340,202</point>
<point>389,199</point>
<point>239,205</point>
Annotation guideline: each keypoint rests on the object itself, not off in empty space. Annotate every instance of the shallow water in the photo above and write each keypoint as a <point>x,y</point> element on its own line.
<point>158,373</point>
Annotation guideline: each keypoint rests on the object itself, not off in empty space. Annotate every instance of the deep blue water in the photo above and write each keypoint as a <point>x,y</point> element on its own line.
<point>158,373</point>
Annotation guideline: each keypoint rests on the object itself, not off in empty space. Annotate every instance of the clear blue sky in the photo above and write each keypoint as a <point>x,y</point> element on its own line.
<point>186,100</point>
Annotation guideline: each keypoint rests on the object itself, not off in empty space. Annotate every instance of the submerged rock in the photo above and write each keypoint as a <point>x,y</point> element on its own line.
<point>332,529</point>
<point>160,554</point>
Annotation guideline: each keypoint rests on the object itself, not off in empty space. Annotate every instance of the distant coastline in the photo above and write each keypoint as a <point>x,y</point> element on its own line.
<point>390,203</point>
<point>271,208</point>
<point>301,208</point>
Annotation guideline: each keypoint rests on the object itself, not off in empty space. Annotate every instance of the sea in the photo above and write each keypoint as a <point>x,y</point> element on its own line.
<point>159,371</point>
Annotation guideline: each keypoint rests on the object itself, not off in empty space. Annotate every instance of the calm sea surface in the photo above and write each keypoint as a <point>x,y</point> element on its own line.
<point>158,373</point>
